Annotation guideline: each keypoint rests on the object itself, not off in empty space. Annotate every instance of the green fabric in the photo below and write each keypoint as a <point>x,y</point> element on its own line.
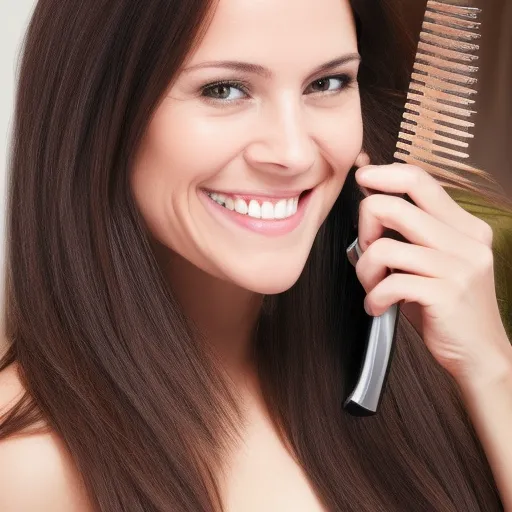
<point>500,219</point>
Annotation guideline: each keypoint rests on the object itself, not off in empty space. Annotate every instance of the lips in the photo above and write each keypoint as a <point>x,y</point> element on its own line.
<point>267,215</point>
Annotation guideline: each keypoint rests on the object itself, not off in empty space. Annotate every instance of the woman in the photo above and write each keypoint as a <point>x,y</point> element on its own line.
<point>180,354</point>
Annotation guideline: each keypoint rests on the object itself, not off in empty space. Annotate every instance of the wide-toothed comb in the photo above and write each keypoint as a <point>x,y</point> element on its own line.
<point>435,135</point>
<point>437,127</point>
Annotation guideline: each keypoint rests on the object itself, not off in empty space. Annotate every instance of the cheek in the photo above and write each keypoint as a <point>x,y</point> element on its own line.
<point>342,139</point>
<point>180,151</point>
<point>339,137</point>
<point>190,146</point>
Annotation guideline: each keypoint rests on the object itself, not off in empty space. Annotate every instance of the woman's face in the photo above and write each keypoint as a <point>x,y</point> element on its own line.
<point>247,153</point>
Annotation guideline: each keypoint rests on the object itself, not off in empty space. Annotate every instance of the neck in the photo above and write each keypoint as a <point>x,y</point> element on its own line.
<point>225,314</point>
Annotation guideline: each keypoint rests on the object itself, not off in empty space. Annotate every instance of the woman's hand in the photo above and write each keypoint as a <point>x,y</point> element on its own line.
<point>444,277</point>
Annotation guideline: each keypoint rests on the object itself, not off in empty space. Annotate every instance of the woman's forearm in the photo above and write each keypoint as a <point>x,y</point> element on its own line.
<point>488,399</point>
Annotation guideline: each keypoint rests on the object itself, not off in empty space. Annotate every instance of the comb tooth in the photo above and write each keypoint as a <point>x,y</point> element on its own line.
<point>433,104</point>
<point>430,122</point>
<point>431,135</point>
<point>440,63</point>
<point>451,21</point>
<point>435,127</point>
<point>450,44</point>
<point>434,169</point>
<point>442,85</point>
<point>434,99</point>
<point>451,55</point>
<point>416,144</point>
<point>454,33</point>
<point>444,75</point>
<point>459,10</point>
<point>440,95</point>
<point>421,110</point>
<point>416,152</point>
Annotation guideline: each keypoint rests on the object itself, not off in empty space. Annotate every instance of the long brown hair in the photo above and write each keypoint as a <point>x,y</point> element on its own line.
<point>107,357</point>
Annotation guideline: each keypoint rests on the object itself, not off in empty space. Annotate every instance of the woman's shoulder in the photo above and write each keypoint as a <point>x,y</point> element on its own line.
<point>36,471</point>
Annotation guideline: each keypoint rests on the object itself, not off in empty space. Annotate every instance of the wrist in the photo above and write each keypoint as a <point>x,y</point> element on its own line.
<point>492,371</point>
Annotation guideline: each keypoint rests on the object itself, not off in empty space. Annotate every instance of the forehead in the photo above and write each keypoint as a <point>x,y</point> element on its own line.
<point>282,31</point>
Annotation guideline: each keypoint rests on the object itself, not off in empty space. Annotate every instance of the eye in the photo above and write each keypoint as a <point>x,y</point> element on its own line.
<point>224,91</point>
<point>329,84</point>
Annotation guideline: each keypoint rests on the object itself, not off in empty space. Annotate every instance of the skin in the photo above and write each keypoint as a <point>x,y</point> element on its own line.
<point>446,282</point>
<point>283,137</point>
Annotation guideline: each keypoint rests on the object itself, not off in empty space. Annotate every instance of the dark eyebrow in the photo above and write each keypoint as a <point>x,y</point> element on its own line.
<point>246,67</point>
<point>335,63</point>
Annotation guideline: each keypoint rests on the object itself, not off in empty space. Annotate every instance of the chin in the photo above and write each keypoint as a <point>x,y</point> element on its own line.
<point>269,280</point>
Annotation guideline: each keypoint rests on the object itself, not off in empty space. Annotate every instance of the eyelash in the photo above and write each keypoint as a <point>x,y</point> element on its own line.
<point>346,80</point>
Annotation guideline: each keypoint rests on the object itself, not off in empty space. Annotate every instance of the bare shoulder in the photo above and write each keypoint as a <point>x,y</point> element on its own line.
<point>36,470</point>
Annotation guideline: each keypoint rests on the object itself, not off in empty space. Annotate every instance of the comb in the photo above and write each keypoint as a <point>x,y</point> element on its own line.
<point>435,135</point>
<point>436,126</point>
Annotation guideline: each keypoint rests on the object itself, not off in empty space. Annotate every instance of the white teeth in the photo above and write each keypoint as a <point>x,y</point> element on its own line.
<point>230,204</point>
<point>254,209</point>
<point>241,206</point>
<point>282,209</point>
<point>289,207</point>
<point>267,210</point>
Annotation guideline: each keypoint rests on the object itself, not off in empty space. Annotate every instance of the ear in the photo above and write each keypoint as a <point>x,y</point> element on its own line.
<point>362,160</point>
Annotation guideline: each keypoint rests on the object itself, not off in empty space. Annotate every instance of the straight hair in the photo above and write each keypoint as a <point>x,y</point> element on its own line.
<point>108,359</point>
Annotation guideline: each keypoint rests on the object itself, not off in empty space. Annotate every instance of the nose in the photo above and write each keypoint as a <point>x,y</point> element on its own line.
<point>282,142</point>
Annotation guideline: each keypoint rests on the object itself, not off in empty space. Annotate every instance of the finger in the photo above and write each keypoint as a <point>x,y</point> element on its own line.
<point>403,287</point>
<point>379,212</point>
<point>427,193</point>
<point>384,254</point>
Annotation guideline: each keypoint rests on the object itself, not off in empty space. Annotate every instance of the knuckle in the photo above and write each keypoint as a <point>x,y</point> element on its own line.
<point>372,255</point>
<point>366,203</point>
<point>416,175</point>
<point>377,251</point>
<point>370,206</point>
<point>484,259</point>
<point>381,246</point>
<point>486,233</point>
<point>382,206</point>
<point>360,271</point>
<point>372,300</point>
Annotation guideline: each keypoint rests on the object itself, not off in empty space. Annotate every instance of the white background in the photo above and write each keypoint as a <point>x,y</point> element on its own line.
<point>14,17</point>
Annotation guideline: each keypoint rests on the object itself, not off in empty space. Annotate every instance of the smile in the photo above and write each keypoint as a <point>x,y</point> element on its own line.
<point>270,216</point>
<point>269,209</point>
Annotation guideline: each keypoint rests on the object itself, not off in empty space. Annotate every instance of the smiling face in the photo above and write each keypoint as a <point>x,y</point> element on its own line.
<point>248,151</point>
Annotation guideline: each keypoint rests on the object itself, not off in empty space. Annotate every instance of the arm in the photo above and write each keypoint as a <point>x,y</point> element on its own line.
<point>488,399</point>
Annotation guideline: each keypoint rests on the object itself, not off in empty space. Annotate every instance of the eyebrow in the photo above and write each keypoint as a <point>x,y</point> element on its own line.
<point>247,67</point>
